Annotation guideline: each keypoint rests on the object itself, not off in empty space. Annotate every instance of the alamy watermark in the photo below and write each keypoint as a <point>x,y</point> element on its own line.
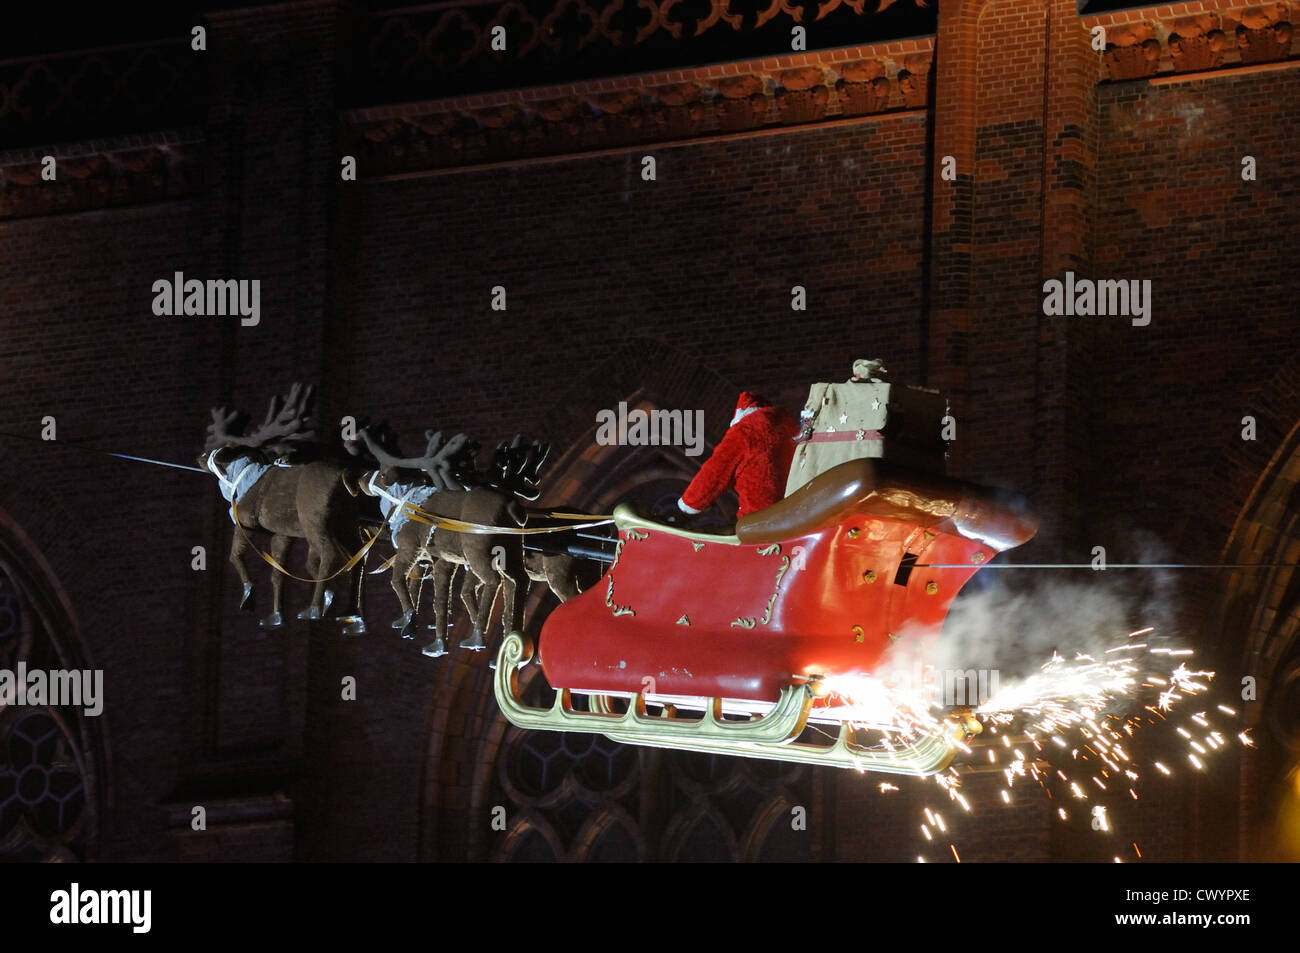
<point>947,687</point>
<point>651,428</point>
<point>180,296</point>
<point>73,688</point>
<point>76,906</point>
<point>1085,297</point>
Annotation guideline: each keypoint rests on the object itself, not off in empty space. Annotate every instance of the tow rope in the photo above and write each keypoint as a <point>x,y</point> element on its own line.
<point>480,529</point>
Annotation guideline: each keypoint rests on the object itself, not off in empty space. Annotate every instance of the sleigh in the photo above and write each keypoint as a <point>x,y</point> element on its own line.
<point>768,643</point>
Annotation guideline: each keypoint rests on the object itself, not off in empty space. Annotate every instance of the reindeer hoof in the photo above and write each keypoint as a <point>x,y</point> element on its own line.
<point>246,601</point>
<point>329,601</point>
<point>403,622</point>
<point>435,649</point>
<point>311,613</point>
<point>475,642</point>
<point>353,625</point>
<point>408,630</point>
<point>272,621</point>
<point>493,663</point>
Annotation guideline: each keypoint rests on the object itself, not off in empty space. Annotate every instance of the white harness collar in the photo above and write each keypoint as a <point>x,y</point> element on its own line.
<point>397,517</point>
<point>234,490</point>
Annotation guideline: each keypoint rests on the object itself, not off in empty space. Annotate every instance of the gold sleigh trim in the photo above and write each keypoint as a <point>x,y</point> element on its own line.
<point>749,622</point>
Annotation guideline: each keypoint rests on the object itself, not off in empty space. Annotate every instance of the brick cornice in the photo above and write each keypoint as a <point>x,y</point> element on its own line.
<point>1195,37</point>
<point>672,105</point>
<point>102,173</point>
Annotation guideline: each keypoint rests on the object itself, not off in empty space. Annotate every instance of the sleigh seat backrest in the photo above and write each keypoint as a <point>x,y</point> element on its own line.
<point>883,490</point>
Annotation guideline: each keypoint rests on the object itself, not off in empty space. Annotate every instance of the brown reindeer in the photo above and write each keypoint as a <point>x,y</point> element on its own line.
<point>314,500</point>
<point>440,483</point>
<point>516,469</point>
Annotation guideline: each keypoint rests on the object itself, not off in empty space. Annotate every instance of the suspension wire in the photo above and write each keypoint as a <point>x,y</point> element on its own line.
<point>77,445</point>
<point>1109,566</point>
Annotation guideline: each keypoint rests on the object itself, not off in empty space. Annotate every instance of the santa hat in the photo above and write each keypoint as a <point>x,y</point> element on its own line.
<point>746,405</point>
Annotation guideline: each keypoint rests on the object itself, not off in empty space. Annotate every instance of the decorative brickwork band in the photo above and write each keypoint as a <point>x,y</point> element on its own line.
<point>1142,43</point>
<point>723,99</point>
<point>100,93</point>
<point>442,50</point>
<point>101,175</point>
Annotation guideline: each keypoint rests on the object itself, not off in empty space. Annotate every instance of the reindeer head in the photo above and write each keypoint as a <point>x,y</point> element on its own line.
<point>380,434</point>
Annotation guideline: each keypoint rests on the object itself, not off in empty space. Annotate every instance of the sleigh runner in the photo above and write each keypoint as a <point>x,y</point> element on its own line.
<point>756,630</point>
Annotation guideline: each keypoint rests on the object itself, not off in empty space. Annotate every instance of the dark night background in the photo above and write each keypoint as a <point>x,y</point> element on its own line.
<point>522,169</point>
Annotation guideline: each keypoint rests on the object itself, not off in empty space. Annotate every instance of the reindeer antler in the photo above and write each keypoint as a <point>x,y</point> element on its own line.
<point>462,458</point>
<point>438,460</point>
<point>284,426</point>
<point>225,429</point>
<point>286,420</point>
<point>515,467</point>
<point>531,465</point>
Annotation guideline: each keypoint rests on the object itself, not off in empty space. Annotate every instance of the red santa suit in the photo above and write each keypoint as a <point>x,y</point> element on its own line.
<point>755,453</point>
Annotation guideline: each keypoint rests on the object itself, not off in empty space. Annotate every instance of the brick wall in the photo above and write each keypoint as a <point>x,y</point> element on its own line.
<point>702,261</point>
<point>1171,205</point>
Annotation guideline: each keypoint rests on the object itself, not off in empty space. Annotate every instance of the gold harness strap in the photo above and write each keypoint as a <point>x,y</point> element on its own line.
<point>462,526</point>
<point>274,563</point>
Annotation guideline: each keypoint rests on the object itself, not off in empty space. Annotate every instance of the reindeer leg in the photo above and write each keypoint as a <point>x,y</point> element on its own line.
<point>487,596</point>
<point>402,565</point>
<point>359,586</point>
<point>514,584</point>
<point>352,622</point>
<point>279,550</point>
<point>443,572</point>
<point>480,568</point>
<point>514,588</point>
<point>314,562</point>
<point>238,546</point>
<point>408,585</point>
<point>562,576</point>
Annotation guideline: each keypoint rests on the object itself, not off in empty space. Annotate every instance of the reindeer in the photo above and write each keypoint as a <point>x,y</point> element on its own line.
<point>442,483</point>
<point>515,469</point>
<point>314,500</point>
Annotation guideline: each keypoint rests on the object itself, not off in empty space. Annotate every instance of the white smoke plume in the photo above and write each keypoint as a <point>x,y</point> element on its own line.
<point>1012,621</point>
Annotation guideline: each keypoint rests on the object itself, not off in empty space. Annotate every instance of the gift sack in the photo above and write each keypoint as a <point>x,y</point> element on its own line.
<point>869,418</point>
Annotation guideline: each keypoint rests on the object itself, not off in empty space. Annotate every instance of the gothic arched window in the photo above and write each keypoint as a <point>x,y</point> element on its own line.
<point>45,809</point>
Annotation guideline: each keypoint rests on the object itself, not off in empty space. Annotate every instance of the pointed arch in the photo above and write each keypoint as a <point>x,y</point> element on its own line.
<point>1253,632</point>
<point>466,728</point>
<point>66,745</point>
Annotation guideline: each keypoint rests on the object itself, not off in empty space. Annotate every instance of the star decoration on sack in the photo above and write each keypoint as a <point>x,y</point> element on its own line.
<point>875,403</point>
<point>844,418</point>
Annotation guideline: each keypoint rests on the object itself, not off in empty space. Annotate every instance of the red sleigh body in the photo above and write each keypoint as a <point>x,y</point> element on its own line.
<point>823,583</point>
<point>865,558</point>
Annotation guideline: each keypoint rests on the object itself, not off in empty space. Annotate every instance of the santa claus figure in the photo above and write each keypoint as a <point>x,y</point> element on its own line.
<point>755,454</point>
